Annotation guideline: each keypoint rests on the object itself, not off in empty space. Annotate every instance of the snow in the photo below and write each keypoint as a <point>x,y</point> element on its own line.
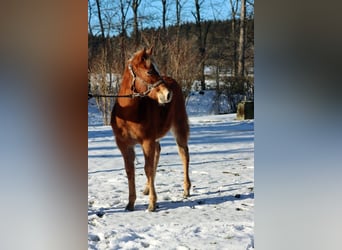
<point>219,214</point>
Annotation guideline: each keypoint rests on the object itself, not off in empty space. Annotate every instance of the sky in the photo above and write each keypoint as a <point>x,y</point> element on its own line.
<point>150,12</point>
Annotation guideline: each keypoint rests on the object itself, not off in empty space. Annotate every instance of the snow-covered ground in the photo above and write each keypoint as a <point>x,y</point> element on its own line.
<point>218,215</point>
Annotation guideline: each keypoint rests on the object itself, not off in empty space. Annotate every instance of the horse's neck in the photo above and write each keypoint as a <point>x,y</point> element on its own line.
<point>126,89</point>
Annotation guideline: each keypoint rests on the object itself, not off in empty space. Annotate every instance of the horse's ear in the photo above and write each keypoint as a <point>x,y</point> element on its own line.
<point>141,54</point>
<point>149,51</point>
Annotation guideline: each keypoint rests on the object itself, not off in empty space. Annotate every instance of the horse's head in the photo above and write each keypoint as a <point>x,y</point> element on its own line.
<point>146,77</point>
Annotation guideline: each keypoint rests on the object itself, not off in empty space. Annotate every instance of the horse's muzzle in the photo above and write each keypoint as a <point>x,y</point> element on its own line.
<point>164,96</point>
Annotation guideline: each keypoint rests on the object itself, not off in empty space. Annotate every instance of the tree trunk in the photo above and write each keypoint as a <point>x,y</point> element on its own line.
<point>163,39</point>
<point>234,61</point>
<point>178,21</point>
<point>100,18</point>
<point>135,6</point>
<point>90,12</point>
<point>102,31</point>
<point>233,37</point>
<point>164,15</point>
<point>241,49</point>
<point>202,39</point>
<point>123,34</point>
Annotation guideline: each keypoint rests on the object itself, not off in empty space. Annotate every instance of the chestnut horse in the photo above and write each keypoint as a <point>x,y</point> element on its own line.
<point>156,106</point>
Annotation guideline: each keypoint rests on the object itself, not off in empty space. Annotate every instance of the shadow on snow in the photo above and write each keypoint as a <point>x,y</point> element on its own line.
<point>170,205</point>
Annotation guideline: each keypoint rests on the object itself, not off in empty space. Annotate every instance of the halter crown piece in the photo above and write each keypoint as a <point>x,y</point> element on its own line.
<point>150,86</point>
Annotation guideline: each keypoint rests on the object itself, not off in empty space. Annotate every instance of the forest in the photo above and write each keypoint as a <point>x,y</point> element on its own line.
<point>198,53</point>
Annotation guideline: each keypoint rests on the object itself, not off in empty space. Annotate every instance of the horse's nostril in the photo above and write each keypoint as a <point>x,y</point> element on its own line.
<point>168,97</point>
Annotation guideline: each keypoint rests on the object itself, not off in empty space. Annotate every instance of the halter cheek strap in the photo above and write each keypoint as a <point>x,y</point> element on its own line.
<point>150,86</point>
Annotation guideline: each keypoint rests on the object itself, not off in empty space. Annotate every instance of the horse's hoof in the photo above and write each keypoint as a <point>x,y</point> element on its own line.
<point>129,207</point>
<point>151,208</point>
<point>186,194</point>
<point>146,191</point>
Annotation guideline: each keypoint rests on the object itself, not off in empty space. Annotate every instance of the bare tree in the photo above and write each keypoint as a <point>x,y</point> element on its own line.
<point>241,48</point>
<point>100,18</point>
<point>163,39</point>
<point>178,12</point>
<point>99,14</point>
<point>201,39</point>
<point>90,14</point>
<point>181,63</point>
<point>164,2</point>
<point>234,8</point>
<point>101,67</point>
<point>250,2</point>
<point>178,21</point>
<point>172,46</point>
<point>135,6</point>
<point>123,6</point>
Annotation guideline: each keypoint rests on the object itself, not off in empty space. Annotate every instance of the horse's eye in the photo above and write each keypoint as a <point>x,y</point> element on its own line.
<point>150,71</point>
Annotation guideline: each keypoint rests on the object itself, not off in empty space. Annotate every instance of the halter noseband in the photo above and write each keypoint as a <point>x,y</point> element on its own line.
<point>150,86</point>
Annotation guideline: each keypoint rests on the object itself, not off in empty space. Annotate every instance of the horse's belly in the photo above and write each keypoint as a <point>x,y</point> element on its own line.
<point>146,129</point>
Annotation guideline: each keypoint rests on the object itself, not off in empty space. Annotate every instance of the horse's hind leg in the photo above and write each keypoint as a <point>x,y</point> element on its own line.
<point>183,151</point>
<point>149,149</point>
<point>129,156</point>
<point>156,160</point>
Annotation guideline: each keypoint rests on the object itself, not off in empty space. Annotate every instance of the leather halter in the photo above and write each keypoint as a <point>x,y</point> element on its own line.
<point>150,86</point>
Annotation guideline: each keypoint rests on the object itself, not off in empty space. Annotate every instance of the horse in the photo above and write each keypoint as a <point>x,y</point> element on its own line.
<point>155,105</point>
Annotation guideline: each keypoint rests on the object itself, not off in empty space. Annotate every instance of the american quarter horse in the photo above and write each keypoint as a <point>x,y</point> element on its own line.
<point>155,107</point>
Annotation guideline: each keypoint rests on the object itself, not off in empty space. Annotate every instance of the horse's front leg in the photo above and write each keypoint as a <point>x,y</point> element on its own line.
<point>149,149</point>
<point>155,165</point>
<point>129,156</point>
